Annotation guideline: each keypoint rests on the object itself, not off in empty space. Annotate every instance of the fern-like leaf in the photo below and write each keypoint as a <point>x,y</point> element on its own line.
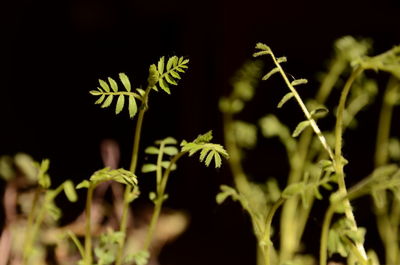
<point>107,91</point>
<point>168,73</point>
<point>208,151</point>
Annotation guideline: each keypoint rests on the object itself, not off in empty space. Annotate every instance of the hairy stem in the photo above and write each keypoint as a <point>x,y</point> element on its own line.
<point>338,151</point>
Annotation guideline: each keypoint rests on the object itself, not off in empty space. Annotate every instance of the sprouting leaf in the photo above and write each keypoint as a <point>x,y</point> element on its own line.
<point>84,184</point>
<point>164,86</point>
<point>170,150</point>
<point>141,257</point>
<point>175,74</point>
<point>300,128</point>
<point>43,177</point>
<point>120,104</point>
<point>204,138</point>
<point>151,150</point>
<point>169,140</point>
<point>171,61</point>
<point>208,150</point>
<point>132,106</point>
<point>319,112</point>
<point>170,80</point>
<point>166,164</point>
<point>154,76</point>
<point>149,168</point>
<point>282,59</point>
<point>113,84</point>
<point>125,81</point>
<point>104,85</point>
<point>96,92</point>
<point>293,189</point>
<point>297,82</point>
<point>108,101</point>
<point>285,99</point>
<point>270,73</point>
<point>160,66</point>
<point>69,191</point>
<point>226,192</point>
<point>100,100</point>
<point>152,196</point>
<point>245,134</point>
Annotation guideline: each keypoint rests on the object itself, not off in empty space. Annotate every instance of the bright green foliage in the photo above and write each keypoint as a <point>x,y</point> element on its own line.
<point>208,151</point>
<point>107,247</point>
<point>140,258</point>
<point>119,175</point>
<point>342,237</point>
<point>106,95</point>
<point>164,147</point>
<point>169,73</point>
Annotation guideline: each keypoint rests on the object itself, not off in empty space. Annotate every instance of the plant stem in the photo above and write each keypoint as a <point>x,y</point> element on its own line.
<point>338,151</point>
<point>387,221</point>
<point>239,177</point>
<point>133,166</point>
<point>267,231</point>
<point>323,251</point>
<point>29,231</point>
<point>88,231</point>
<point>160,199</point>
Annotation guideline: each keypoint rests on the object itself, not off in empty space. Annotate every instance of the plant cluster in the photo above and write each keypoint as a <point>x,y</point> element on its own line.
<point>103,234</point>
<point>316,159</point>
<point>99,236</point>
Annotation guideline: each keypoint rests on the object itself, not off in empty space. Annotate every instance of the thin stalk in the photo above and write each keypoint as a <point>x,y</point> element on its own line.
<point>338,151</point>
<point>29,231</point>
<point>35,226</point>
<point>387,225</point>
<point>159,201</point>
<point>239,177</point>
<point>267,231</point>
<point>133,166</point>
<point>88,259</point>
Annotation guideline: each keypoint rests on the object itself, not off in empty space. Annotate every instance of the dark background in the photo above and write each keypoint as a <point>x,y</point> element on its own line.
<point>53,52</point>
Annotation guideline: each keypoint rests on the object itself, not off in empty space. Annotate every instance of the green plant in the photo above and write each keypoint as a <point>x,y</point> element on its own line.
<point>315,158</point>
<point>108,244</point>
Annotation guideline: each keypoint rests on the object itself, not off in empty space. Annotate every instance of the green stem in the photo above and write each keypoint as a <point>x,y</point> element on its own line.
<point>29,236</point>
<point>239,177</point>
<point>387,226</point>
<point>338,150</point>
<point>34,227</point>
<point>88,231</point>
<point>159,201</point>
<point>267,231</point>
<point>323,251</point>
<point>133,166</point>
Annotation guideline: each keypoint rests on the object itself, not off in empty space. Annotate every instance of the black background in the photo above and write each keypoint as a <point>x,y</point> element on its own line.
<point>53,52</point>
